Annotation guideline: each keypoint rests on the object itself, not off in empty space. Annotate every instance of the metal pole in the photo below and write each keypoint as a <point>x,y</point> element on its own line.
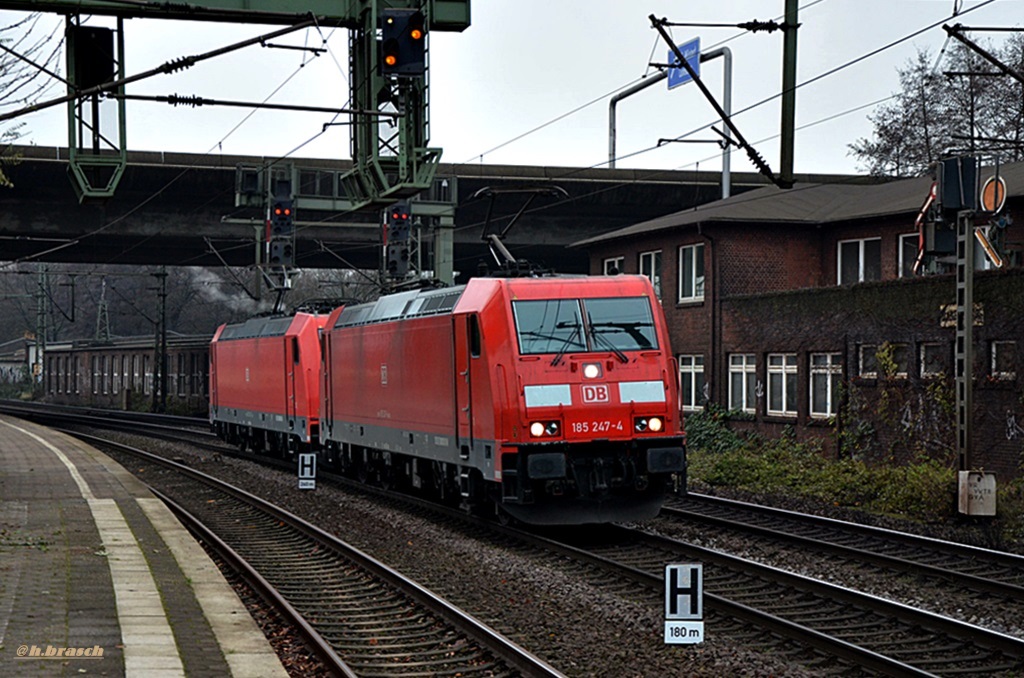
<point>964,336</point>
<point>726,106</point>
<point>788,92</point>
<point>639,87</point>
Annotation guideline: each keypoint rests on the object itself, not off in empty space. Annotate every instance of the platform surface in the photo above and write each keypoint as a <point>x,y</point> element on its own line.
<point>97,577</point>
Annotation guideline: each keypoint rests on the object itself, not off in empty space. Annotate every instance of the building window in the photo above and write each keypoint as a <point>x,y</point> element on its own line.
<point>900,361</point>
<point>908,254</point>
<point>650,266</point>
<point>182,376</point>
<point>743,382</point>
<point>782,384</point>
<point>614,265</point>
<point>867,361</point>
<point>691,273</point>
<point>934,359</point>
<point>692,382</point>
<point>1003,354</point>
<point>859,260</point>
<point>826,372</point>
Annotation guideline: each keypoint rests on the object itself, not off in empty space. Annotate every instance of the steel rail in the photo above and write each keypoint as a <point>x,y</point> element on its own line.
<point>503,648</point>
<point>939,549</point>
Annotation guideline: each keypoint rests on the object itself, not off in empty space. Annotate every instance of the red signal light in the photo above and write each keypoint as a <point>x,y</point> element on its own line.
<point>390,60</point>
<point>416,34</point>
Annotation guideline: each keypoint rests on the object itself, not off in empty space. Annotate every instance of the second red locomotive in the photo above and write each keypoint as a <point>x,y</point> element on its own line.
<point>264,382</point>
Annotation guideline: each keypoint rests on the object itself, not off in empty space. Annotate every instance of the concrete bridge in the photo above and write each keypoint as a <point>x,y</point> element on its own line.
<point>203,210</point>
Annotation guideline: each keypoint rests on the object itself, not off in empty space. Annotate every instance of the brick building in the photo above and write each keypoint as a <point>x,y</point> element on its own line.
<point>802,310</point>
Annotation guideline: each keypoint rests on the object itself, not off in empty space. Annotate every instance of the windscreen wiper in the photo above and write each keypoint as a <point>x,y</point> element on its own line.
<point>601,339</point>
<point>565,346</point>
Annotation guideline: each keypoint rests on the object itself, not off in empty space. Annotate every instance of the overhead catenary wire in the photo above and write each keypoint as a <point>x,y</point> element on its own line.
<point>563,116</point>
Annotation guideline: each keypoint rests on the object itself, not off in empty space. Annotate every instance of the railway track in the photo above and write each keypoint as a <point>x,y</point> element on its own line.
<point>968,567</point>
<point>831,624</point>
<point>867,631</point>
<point>363,618</point>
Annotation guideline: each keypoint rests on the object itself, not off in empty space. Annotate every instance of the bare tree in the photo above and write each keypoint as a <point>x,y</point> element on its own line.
<point>29,51</point>
<point>955,106</point>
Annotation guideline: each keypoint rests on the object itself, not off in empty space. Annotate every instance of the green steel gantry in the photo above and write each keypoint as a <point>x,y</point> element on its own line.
<point>391,158</point>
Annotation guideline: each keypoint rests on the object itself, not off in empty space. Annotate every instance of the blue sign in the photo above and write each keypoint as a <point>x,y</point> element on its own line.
<point>691,52</point>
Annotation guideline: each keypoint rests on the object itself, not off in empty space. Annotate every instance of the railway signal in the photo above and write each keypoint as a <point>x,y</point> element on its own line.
<point>403,43</point>
<point>282,233</point>
<point>282,218</point>
<point>396,221</point>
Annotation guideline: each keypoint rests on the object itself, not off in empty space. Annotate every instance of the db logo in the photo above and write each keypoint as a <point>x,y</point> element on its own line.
<point>595,394</point>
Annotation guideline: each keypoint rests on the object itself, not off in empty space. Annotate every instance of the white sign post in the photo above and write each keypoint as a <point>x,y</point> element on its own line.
<point>684,604</point>
<point>307,471</point>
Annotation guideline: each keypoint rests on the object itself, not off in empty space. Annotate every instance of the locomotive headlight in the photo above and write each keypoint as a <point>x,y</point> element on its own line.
<point>541,429</point>
<point>652,424</point>
<point>591,370</point>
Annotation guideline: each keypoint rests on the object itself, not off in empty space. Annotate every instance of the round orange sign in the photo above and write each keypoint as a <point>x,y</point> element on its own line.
<point>993,194</point>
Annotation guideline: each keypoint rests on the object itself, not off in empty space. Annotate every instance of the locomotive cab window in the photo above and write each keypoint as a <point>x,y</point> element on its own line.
<point>474,336</point>
<point>557,325</point>
<point>550,326</point>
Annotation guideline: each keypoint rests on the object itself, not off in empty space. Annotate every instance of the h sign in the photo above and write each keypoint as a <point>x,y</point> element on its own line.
<point>684,591</point>
<point>684,604</point>
<point>307,471</point>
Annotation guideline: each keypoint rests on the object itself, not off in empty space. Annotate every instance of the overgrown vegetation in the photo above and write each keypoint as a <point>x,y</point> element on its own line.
<point>924,490</point>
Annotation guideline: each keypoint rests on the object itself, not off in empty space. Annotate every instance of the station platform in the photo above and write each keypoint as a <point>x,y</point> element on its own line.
<point>97,577</point>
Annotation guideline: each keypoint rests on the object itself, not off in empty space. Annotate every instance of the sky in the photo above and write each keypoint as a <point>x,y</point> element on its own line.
<point>529,82</point>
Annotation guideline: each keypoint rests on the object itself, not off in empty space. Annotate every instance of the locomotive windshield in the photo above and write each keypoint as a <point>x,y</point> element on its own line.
<point>577,325</point>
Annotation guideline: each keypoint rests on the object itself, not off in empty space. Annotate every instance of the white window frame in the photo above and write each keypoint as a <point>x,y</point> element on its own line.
<point>871,351</point>
<point>617,262</point>
<point>691,372</point>
<point>927,370</point>
<point>997,348</point>
<point>832,369</point>
<point>860,259</point>
<point>897,350</point>
<point>902,262</point>
<point>650,266</point>
<point>694,254</point>
<point>744,366</point>
<point>782,366</point>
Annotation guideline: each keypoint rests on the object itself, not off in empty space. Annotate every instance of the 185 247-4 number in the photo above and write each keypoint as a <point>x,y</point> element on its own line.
<point>596,426</point>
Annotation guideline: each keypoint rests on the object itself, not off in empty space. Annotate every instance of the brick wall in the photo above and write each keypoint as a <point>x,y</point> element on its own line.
<point>906,416</point>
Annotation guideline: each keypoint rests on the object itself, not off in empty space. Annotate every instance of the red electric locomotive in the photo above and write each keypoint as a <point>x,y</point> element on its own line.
<point>264,382</point>
<point>554,399</point>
